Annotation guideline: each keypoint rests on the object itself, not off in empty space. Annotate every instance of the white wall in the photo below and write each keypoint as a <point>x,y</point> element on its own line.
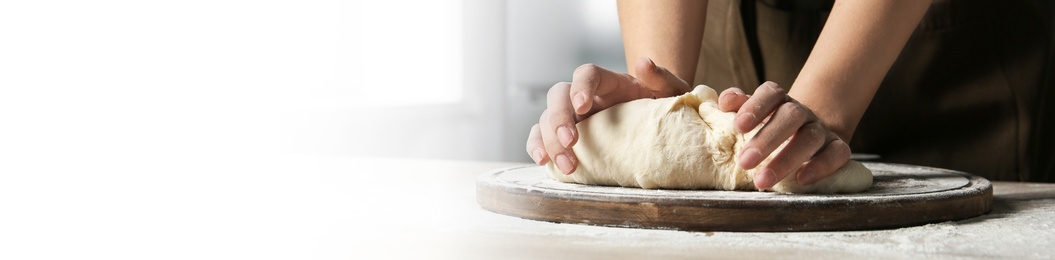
<point>425,79</point>
<point>547,40</point>
<point>513,51</point>
<point>433,75</point>
<point>129,128</point>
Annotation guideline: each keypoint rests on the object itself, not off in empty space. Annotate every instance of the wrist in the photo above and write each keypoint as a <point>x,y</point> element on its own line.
<point>839,111</point>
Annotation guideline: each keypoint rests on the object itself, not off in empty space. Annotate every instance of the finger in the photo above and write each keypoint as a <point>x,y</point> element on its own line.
<point>832,157</point>
<point>658,80</point>
<point>766,98</point>
<point>802,146</point>
<point>732,99</point>
<point>563,157</point>
<point>557,126</point>
<point>535,147</point>
<point>786,121</point>
<point>561,115</point>
<point>589,81</point>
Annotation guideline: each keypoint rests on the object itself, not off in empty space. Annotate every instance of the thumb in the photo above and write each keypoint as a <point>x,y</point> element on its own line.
<point>660,81</point>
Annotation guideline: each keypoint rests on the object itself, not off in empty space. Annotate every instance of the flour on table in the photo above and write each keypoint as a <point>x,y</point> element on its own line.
<point>682,142</point>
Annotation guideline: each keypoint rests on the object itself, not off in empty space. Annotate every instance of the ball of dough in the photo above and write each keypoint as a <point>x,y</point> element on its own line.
<point>682,142</point>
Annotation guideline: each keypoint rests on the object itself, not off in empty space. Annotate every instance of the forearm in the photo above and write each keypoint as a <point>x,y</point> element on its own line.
<point>859,43</point>
<point>668,32</point>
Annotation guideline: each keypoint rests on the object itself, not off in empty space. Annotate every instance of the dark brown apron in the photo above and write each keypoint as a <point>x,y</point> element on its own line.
<point>971,91</point>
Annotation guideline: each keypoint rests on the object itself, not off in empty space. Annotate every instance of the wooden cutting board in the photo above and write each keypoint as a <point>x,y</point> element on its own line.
<point>901,195</point>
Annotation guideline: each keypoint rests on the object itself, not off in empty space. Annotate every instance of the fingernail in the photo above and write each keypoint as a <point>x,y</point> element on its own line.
<point>750,158</point>
<point>564,164</point>
<point>764,179</point>
<point>536,155</point>
<point>578,101</point>
<point>806,176</point>
<point>564,136</point>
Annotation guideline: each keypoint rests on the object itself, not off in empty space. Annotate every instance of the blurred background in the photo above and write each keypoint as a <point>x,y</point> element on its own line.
<point>128,128</point>
<point>452,79</point>
<point>459,79</point>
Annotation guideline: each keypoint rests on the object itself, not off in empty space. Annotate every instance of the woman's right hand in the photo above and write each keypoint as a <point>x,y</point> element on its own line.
<point>592,89</point>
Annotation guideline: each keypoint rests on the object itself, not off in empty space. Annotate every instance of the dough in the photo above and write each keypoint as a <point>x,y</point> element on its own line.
<point>682,142</point>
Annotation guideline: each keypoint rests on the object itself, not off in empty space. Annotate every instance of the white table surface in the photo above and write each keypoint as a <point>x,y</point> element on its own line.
<point>333,207</point>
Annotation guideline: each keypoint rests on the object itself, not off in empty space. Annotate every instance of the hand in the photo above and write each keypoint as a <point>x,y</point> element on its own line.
<point>810,145</point>
<point>592,89</point>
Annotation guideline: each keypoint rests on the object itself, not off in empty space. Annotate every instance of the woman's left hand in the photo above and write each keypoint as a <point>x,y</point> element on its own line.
<point>812,151</point>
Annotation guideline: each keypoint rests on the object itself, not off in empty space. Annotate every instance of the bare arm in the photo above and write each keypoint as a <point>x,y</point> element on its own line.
<point>668,32</point>
<point>859,43</point>
<point>856,48</point>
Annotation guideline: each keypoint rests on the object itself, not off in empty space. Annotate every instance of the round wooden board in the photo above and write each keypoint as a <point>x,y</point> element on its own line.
<point>901,195</point>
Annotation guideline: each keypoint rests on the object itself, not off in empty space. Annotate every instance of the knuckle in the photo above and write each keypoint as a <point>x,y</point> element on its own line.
<point>543,118</point>
<point>782,167</point>
<point>779,90</point>
<point>842,151</point>
<point>557,118</point>
<point>836,153</point>
<point>586,68</point>
<point>587,72</point>
<point>553,147</point>
<point>793,110</point>
<point>815,131</point>
<point>774,88</point>
<point>557,89</point>
<point>533,133</point>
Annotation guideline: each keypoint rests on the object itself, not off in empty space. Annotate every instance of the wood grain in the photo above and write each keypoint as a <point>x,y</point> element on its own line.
<point>896,201</point>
